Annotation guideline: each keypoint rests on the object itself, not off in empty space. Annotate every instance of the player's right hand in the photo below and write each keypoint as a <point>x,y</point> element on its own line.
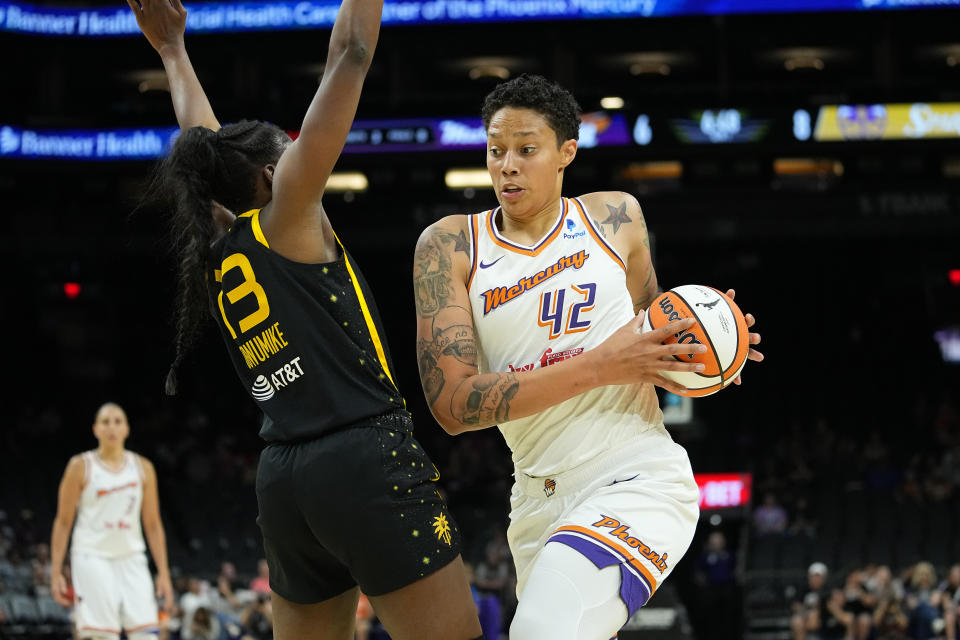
<point>60,590</point>
<point>162,21</point>
<point>630,356</point>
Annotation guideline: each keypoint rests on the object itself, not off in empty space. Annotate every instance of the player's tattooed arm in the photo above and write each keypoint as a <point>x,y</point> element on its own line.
<point>432,267</point>
<point>452,337</point>
<point>448,349</point>
<point>484,399</point>
<point>641,276</point>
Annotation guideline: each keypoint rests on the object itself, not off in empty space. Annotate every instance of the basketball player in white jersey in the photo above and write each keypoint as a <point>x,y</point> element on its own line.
<point>110,491</point>
<point>529,318</point>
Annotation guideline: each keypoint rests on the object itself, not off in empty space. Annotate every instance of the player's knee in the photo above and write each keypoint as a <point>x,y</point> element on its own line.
<point>544,614</point>
<point>529,623</point>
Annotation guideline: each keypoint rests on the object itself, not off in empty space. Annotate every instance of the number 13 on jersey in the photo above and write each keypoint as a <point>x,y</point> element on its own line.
<point>553,310</point>
<point>249,286</point>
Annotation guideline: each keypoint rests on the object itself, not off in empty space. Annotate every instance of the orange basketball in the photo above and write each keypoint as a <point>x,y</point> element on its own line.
<point>719,325</point>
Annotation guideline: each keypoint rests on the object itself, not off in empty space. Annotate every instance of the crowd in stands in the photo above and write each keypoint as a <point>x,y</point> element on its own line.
<point>873,603</point>
<point>225,606</point>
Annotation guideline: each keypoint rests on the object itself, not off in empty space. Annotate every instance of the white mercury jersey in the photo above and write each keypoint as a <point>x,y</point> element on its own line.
<point>108,515</point>
<point>536,306</point>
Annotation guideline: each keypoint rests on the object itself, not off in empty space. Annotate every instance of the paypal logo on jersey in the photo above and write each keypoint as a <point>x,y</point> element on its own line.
<point>571,231</point>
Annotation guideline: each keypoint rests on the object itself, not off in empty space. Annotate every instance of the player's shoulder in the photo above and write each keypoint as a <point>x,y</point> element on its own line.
<point>76,467</point>
<point>144,461</point>
<point>450,228</point>
<point>598,200</point>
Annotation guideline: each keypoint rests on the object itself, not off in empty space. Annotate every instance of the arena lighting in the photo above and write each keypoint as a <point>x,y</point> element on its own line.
<point>954,275</point>
<point>800,62</point>
<point>807,166</point>
<point>467,178</point>
<point>71,290</point>
<point>347,181</point>
<point>495,71</point>
<point>663,170</point>
<point>612,102</point>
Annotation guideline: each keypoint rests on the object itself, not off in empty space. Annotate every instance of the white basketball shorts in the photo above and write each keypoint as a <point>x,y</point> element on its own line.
<point>113,594</point>
<point>635,506</point>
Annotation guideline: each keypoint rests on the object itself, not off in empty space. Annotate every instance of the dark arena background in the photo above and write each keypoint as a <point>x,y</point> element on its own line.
<point>805,153</point>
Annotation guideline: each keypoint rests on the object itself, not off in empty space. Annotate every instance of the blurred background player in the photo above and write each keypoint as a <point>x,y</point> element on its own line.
<point>304,333</point>
<point>529,319</point>
<point>109,491</point>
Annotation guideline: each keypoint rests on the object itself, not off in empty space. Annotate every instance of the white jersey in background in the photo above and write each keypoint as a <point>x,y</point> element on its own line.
<point>535,306</point>
<point>108,514</point>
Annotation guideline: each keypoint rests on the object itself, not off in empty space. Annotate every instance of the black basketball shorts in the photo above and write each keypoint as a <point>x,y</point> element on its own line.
<point>358,506</point>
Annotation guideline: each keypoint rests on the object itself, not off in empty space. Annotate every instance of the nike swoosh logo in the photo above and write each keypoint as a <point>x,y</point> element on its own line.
<point>487,266</point>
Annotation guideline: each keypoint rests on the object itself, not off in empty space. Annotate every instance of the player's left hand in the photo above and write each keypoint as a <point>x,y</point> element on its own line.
<point>165,591</point>
<point>752,354</point>
<point>163,22</point>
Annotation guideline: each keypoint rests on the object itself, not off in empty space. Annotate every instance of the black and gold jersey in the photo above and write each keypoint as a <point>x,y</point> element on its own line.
<point>305,339</point>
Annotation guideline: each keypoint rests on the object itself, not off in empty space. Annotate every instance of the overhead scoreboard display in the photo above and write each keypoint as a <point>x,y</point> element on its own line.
<point>279,15</point>
<point>656,132</point>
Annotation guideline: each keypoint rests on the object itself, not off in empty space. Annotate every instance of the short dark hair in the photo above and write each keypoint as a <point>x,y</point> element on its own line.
<point>547,98</point>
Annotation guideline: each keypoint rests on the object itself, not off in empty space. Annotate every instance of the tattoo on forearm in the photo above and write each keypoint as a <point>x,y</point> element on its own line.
<point>431,270</point>
<point>485,400</point>
<point>618,216</point>
<point>457,341</point>
<point>431,375</point>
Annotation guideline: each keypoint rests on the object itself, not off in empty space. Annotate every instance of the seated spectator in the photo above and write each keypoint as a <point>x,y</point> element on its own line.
<point>806,609</point>
<point>226,586</point>
<point>197,595</point>
<point>950,602</point>
<point>258,619</point>
<point>261,583</point>
<point>715,573</point>
<point>889,619</point>
<point>923,603</point>
<point>831,621</point>
<point>860,603</point>
<point>206,624</point>
<point>15,573</point>
<point>770,518</point>
<point>40,566</point>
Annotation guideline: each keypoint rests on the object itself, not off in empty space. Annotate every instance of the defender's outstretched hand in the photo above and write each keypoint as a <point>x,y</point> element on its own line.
<point>752,354</point>
<point>163,22</point>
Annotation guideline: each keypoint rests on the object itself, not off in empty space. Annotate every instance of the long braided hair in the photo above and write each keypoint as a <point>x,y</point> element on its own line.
<point>206,166</point>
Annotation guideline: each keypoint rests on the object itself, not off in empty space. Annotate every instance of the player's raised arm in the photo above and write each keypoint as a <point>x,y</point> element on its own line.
<point>461,398</point>
<point>304,168</point>
<point>71,486</point>
<point>163,22</point>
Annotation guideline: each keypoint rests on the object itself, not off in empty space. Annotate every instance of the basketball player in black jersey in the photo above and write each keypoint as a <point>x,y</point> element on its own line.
<point>346,495</point>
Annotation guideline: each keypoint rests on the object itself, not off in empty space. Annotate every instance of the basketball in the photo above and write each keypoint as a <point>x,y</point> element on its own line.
<point>720,326</point>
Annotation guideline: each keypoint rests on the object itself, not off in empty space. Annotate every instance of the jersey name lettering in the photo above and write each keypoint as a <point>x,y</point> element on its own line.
<point>493,298</point>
